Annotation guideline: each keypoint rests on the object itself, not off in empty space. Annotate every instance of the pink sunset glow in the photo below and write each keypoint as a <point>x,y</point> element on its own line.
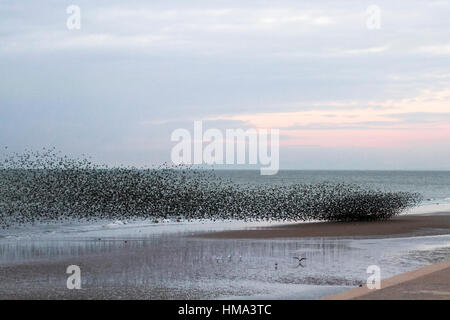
<point>413,121</point>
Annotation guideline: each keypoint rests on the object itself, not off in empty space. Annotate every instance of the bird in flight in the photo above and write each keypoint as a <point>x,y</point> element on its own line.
<point>299,261</point>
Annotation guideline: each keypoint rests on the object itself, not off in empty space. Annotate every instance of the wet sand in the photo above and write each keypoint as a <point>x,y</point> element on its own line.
<point>140,262</point>
<point>428,283</point>
<point>417,225</point>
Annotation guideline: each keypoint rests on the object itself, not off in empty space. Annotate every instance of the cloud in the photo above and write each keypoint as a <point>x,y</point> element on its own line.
<point>140,27</point>
<point>365,50</point>
<point>435,103</point>
<point>136,70</point>
<point>436,50</point>
<point>397,122</point>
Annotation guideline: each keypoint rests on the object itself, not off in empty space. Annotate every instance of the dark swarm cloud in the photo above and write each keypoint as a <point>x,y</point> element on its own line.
<point>46,186</point>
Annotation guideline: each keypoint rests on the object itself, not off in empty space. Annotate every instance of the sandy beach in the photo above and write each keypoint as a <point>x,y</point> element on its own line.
<point>209,261</point>
<point>428,283</point>
<point>433,224</point>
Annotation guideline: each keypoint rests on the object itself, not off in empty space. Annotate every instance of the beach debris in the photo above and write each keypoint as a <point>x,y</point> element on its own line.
<point>44,185</point>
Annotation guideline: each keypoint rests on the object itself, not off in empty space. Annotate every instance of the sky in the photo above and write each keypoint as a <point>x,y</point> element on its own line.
<point>343,93</point>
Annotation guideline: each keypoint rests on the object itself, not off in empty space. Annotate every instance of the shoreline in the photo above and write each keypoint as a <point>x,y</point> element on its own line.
<point>405,225</point>
<point>125,263</point>
<point>430,282</point>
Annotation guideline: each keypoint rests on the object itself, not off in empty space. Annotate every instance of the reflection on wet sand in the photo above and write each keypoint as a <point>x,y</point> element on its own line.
<point>177,266</point>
